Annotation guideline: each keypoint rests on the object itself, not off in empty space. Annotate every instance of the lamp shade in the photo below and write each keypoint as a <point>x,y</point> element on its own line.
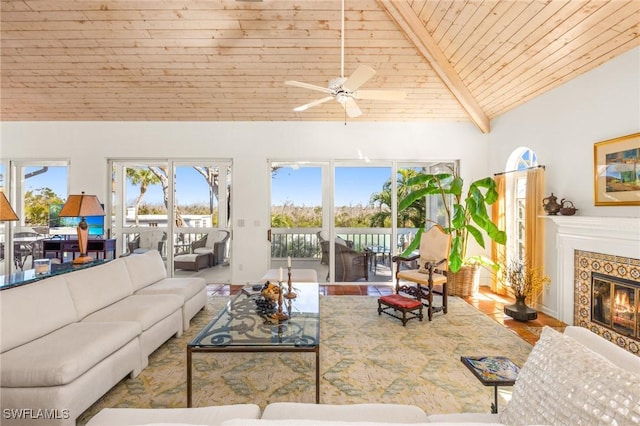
<point>82,205</point>
<point>6,212</point>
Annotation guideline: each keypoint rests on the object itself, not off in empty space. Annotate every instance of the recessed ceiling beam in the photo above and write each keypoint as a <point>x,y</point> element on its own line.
<point>415,31</point>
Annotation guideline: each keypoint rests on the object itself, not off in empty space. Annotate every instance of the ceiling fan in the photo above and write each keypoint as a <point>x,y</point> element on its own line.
<point>345,90</point>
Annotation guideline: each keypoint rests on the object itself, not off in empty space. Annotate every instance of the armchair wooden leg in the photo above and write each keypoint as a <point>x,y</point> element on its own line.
<point>430,298</point>
<point>444,297</point>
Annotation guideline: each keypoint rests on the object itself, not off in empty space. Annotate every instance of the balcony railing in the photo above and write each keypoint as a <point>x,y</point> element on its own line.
<point>304,243</point>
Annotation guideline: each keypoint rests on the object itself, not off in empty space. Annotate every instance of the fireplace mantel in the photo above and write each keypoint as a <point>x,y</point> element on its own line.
<point>616,236</point>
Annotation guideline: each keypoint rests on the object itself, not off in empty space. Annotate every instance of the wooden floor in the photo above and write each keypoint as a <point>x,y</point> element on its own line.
<point>485,301</point>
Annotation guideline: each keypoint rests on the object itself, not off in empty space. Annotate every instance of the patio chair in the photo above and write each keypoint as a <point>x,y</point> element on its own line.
<point>148,240</point>
<point>351,265</point>
<point>214,243</point>
<point>431,276</point>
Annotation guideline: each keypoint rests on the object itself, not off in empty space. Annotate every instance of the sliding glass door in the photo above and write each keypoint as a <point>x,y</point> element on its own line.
<point>175,207</point>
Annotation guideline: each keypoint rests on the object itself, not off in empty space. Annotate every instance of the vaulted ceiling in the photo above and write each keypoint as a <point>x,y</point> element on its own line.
<point>227,60</point>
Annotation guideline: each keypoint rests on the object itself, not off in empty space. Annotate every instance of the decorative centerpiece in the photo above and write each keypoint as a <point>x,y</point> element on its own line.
<point>526,282</point>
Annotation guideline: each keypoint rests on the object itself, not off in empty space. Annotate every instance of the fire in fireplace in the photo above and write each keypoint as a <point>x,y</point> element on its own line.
<point>615,304</point>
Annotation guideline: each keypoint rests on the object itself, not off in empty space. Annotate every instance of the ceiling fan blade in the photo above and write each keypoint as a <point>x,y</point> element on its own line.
<point>308,86</point>
<point>352,108</point>
<point>358,78</point>
<point>382,95</point>
<point>312,104</point>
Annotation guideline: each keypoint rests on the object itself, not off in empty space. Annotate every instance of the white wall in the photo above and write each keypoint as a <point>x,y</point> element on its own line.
<point>249,144</point>
<point>561,127</point>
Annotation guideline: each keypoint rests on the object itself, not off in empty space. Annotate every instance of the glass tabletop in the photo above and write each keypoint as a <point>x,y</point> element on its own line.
<point>242,323</point>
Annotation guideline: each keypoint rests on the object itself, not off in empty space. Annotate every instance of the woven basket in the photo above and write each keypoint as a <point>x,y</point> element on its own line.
<point>465,282</point>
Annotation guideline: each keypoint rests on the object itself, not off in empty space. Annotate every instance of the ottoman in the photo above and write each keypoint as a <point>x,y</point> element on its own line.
<point>191,261</point>
<point>396,302</point>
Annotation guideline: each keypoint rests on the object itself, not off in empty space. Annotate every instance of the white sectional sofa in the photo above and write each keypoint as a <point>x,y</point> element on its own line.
<point>66,340</point>
<point>575,378</point>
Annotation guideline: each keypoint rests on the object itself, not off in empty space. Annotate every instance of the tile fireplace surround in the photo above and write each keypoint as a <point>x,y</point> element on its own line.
<point>589,244</point>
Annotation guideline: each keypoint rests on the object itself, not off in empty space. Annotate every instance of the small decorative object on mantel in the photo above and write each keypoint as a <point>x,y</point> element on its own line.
<point>567,209</point>
<point>551,205</point>
<point>526,282</point>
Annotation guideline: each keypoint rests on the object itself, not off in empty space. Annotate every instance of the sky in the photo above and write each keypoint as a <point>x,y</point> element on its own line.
<point>303,186</point>
<point>354,185</point>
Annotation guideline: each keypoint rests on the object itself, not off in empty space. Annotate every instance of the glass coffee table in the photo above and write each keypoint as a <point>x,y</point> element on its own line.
<point>242,327</point>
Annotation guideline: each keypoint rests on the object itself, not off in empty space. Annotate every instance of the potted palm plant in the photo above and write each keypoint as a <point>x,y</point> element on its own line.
<point>467,217</point>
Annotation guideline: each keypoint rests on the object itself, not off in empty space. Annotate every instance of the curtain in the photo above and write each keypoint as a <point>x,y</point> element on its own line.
<point>499,251</point>
<point>534,223</point>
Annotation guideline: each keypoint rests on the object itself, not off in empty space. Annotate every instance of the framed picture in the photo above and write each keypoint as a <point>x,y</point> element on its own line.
<point>616,169</point>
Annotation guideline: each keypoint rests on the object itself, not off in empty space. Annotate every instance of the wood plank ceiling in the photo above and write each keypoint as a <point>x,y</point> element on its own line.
<point>227,60</point>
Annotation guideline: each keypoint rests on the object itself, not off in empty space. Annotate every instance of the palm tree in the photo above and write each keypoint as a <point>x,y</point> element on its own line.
<point>412,217</point>
<point>142,177</point>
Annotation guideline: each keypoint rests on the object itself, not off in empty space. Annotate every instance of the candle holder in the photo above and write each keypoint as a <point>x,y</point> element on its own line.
<point>290,293</point>
<point>279,314</point>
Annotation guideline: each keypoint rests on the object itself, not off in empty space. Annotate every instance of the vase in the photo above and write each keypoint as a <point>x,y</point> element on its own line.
<point>519,311</point>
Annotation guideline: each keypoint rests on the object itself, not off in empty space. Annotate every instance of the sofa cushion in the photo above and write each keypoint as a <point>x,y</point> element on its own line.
<point>34,310</point>
<point>564,382</point>
<point>147,309</point>
<point>298,422</point>
<point>399,413</point>
<point>145,269</point>
<point>213,415</point>
<point>94,288</point>
<point>65,354</point>
<point>186,287</point>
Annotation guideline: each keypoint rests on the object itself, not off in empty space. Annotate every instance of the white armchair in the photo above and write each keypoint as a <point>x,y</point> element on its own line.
<point>148,240</point>
<point>214,243</point>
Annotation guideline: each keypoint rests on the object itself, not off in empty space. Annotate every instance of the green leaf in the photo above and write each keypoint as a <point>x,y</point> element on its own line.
<point>476,234</point>
<point>414,244</point>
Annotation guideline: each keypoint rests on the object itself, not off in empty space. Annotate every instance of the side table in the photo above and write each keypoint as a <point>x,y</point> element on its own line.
<point>492,371</point>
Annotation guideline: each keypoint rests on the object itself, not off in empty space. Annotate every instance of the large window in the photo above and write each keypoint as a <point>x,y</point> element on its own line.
<point>173,205</point>
<point>341,218</point>
<point>33,187</point>
<point>521,160</point>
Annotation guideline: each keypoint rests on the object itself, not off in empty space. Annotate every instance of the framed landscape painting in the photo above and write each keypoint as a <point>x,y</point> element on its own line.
<point>617,171</point>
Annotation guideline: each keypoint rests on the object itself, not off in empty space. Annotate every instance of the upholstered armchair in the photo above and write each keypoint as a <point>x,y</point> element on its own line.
<point>431,276</point>
<point>214,243</point>
<point>148,240</point>
<point>351,265</point>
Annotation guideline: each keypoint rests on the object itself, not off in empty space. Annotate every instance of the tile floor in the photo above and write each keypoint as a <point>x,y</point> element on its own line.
<point>485,301</point>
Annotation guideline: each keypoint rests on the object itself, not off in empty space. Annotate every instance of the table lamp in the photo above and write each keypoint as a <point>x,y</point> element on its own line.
<point>82,206</point>
<point>6,212</point>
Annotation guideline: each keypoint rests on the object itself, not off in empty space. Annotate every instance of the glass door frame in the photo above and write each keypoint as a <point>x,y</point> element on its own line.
<point>117,182</point>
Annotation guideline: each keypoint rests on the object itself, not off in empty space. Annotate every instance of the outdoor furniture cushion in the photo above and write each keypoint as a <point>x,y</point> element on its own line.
<point>65,354</point>
<point>192,261</point>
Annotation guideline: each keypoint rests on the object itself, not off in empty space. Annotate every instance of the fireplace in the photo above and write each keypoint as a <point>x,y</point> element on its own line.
<point>615,304</point>
<point>607,290</point>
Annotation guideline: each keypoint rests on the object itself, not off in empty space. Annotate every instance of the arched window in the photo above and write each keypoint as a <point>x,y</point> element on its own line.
<point>519,161</point>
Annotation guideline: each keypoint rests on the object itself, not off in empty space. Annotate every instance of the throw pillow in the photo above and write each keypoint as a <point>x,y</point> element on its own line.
<point>563,382</point>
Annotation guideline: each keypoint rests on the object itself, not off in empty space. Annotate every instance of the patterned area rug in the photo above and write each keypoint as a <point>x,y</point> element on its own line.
<point>364,357</point>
